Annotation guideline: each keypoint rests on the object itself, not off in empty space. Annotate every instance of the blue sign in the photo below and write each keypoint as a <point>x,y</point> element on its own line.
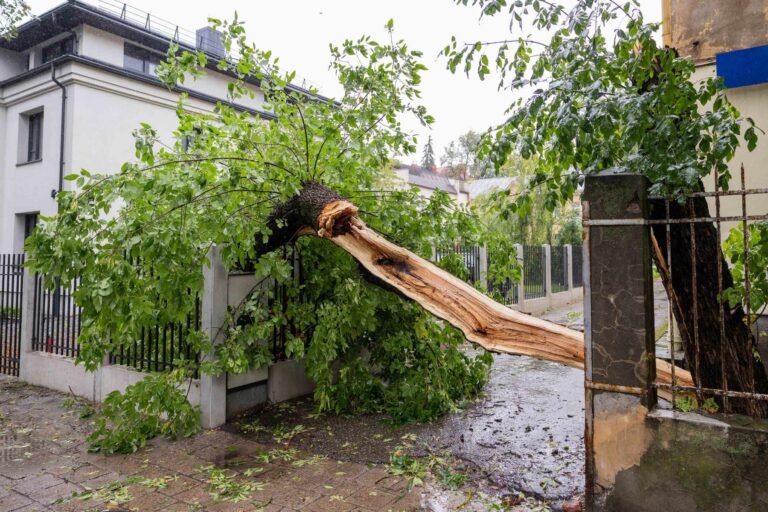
<point>740,68</point>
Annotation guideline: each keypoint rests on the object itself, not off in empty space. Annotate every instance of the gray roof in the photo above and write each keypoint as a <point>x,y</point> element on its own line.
<point>486,185</point>
<point>431,180</point>
<point>428,179</point>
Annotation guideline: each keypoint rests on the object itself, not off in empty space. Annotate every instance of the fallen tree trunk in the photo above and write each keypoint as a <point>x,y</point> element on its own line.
<point>318,210</point>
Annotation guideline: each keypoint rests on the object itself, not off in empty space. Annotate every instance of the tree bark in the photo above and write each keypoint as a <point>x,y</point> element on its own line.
<point>709,352</point>
<point>493,326</point>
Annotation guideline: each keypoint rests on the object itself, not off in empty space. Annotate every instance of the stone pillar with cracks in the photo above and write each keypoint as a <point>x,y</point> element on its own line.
<point>619,341</point>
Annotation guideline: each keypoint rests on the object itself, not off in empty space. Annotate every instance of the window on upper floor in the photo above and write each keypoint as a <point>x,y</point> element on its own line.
<point>35,137</point>
<point>140,59</point>
<point>30,137</point>
<point>58,49</point>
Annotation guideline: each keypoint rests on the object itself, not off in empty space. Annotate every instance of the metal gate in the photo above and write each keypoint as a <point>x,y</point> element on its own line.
<point>11,286</point>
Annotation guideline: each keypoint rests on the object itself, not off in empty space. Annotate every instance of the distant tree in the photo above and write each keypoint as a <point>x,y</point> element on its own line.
<point>530,222</point>
<point>428,158</point>
<point>568,225</point>
<point>462,157</point>
<point>11,13</point>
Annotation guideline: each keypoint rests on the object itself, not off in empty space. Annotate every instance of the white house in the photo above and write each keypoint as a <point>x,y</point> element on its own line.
<point>74,84</point>
<point>462,191</point>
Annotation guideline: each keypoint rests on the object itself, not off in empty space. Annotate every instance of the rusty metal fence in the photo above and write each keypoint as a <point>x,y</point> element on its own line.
<point>734,296</point>
<point>712,264</point>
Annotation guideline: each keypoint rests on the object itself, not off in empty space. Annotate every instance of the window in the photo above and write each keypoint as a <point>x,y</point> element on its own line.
<point>58,49</point>
<point>34,137</point>
<point>139,60</point>
<point>24,226</point>
<point>30,222</point>
<point>188,140</point>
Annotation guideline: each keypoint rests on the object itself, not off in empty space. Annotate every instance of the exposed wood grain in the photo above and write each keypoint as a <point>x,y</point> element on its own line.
<point>483,321</point>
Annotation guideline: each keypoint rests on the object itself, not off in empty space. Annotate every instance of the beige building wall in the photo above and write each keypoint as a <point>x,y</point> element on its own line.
<point>700,29</point>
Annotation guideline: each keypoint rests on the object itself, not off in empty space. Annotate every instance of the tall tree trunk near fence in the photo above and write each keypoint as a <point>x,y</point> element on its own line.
<point>692,286</point>
<point>319,211</point>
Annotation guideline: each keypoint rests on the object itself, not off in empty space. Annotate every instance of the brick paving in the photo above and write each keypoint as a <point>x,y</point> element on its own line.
<point>45,465</point>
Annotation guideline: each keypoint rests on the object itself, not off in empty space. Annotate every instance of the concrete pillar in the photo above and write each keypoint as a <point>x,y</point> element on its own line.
<point>521,284</point>
<point>548,272</point>
<point>618,315</point>
<point>569,265</point>
<point>27,325</point>
<point>484,266</point>
<point>213,390</point>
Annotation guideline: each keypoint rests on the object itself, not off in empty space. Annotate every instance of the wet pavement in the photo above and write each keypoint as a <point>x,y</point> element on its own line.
<point>524,434</point>
<point>520,443</point>
<point>45,465</point>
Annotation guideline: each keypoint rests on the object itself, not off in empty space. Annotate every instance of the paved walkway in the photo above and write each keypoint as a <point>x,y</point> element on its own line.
<point>45,465</point>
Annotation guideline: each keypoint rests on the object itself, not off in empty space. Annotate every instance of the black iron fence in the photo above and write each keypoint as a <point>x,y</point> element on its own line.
<point>470,256</point>
<point>11,287</point>
<point>55,319</point>
<point>506,291</point>
<point>559,265</point>
<point>158,347</point>
<point>56,328</point>
<point>534,271</point>
<point>577,253</point>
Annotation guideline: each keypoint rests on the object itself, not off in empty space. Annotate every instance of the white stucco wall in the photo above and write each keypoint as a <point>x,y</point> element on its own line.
<point>103,110</point>
<point>27,188</point>
<point>11,64</point>
<point>109,48</point>
<point>100,45</point>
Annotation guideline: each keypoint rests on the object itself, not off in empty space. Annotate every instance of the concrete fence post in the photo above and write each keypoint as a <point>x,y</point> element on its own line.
<point>213,390</point>
<point>521,284</point>
<point>569,266</point>
<point>484,266</point>
<point>618,329</point>
<point>548,273</point>
<point>27,325</point>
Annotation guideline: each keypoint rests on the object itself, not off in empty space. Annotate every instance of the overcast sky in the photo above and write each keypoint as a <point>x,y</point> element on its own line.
<point>299,32</point>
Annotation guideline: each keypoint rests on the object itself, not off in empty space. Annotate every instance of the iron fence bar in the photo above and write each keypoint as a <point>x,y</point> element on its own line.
<point>20,309</point>
<point>653,222</point>
<point>35,313</point>
<point>721,312</point>
<point>711,391</point>
<point>616,388</point>
<point>668,234</point>
<point>747,285</point>
<point>694,281</point>
<point>4,338</point>
<point>720,193</point>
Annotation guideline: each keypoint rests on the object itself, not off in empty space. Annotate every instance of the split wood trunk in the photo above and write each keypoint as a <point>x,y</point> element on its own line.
<point>483,321</point>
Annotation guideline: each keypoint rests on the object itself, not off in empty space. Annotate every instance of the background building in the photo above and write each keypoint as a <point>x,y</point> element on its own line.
<point>728,39</point>
<point>427,181</point>
<point>74,84</point>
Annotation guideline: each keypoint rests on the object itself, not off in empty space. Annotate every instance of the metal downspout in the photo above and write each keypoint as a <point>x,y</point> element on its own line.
<point>63,125</point>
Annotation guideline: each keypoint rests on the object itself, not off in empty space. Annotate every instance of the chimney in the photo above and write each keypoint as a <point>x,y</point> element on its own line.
<point>209,40</point>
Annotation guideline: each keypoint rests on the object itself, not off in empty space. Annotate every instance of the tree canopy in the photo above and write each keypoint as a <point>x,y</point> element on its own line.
<point>218,181</point>
<point>597,92</point>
